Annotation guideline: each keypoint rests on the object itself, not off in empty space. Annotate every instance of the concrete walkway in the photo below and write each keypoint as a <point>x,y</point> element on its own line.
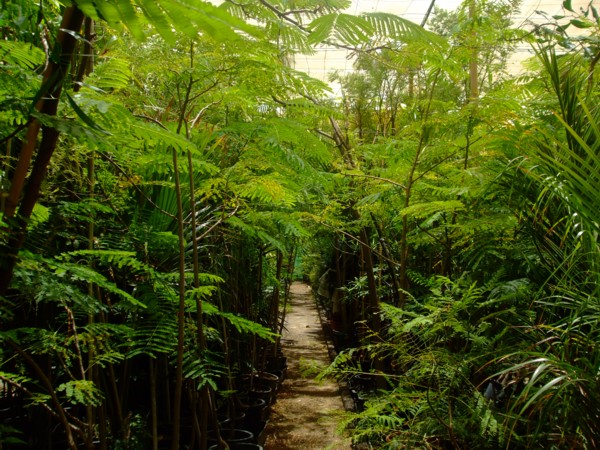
<point>307,412</point>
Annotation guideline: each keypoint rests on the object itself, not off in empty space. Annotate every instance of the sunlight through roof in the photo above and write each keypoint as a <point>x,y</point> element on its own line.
<point>329,59</point>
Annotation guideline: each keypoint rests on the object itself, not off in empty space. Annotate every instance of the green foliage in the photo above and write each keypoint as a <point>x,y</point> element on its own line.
<point>435,351</point>
<point>20,54</point>
<point>241,324</point>
<point>205,370</point>
<point>341,27</point>
<point>82,392</point>
<point>423,210</point>
<point>61,268</point>
<point>485,213</point>
<point>10,435</point>
<point>191,18</point>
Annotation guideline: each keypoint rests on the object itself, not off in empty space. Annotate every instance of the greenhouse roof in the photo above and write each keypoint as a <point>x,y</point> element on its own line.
<point>329,59</point>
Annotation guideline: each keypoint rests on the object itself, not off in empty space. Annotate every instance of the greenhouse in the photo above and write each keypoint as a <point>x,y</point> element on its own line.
<point>299,224</point>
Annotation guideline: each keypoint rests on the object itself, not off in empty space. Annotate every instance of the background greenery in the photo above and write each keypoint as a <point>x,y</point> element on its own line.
<point>164,167</point>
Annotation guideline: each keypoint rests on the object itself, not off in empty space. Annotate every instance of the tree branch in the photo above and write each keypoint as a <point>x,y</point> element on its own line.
<point>387,180</point>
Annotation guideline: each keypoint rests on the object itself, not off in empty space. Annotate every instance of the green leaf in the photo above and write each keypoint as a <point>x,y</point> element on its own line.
<point>341,27</point>
<point>567,5</point>
<point>21,54</point>
<point>40,215</point>
<point>83,116</point>
<point>83,392</point>
<point>422,210</point>
<point>241,324</point>
<point>581,23</point>
<point>168,17</point>
<point>392,27</point>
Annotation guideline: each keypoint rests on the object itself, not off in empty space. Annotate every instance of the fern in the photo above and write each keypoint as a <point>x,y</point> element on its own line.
<point>21,54</point>
<point>107,340</point>
<point>111,73</point>
<point>288,37</point>
<point>81,392</point>
<point>422,210</point>
<point>205,370</point>
<point>117,258</point>
<point>185,16</point>
<point>155,332</point>
<point>392,27</point>
<point>241,324</point>
<point>344,28</point>
<point>268,190</point>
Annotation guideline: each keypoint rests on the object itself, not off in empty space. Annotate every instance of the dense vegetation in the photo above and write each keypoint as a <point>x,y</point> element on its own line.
<point>164,168</point>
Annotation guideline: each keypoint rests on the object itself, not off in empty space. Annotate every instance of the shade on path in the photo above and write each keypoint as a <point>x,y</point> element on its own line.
<point>307,411</point>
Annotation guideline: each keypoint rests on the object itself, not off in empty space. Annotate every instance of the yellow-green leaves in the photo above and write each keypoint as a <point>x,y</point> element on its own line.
<point>169,17</point>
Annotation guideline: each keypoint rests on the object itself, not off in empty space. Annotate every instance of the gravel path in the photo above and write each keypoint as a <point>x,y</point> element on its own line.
<point>307,412</point>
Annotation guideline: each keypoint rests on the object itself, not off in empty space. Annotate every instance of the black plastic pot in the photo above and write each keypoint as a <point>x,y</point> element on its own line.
<point>241,446</point>
<point>256,410</point>
<point>263,392</point>
<point>232,436</point>
<point>268,379</point>
<point>258,429</point>
<point>228,421</point>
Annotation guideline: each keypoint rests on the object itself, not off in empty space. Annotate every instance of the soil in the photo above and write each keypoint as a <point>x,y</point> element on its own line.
<point>307,412</point>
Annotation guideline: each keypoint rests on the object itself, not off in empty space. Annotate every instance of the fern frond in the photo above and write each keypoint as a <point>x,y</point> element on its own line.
<point>202,368</point>
<point>81,392</point>
<point>110,73</point>
<point>267,190</point>
<point>422,210</point>
<point>117,259</point>
<point>340,27</point>
<point>156,331</point>
<point>184,16</point>
<point>289,37</point>
<point>21,54</point>
<point>241,324</point>
<point>61,268</point>
<point>388,26</point>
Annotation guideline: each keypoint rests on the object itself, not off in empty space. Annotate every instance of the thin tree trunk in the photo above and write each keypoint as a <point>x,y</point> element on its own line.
<point>473,69</point>
<point>386,254</point>
<point>180,314</point>
<point>48,385</point>
<point>404,251</point>
<point>153,405</point>
<point>288,282</point>
<point>276,293</point>
<point>205,394</point>
<point>373,297</point>
<point>411,179</point>
<point>91,369</point>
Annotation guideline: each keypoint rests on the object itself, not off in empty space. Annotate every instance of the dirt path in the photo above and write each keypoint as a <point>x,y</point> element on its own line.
<point>306,414</point>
